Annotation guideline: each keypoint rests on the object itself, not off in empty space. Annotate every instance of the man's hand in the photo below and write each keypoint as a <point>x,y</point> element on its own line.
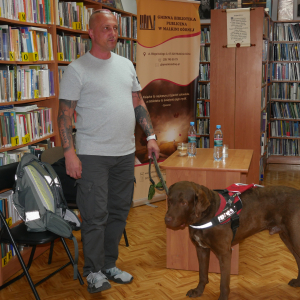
<point>153,147</point>
<point>73,165</point>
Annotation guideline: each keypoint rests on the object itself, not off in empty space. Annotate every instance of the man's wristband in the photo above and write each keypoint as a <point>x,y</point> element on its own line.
<point>152,137</point>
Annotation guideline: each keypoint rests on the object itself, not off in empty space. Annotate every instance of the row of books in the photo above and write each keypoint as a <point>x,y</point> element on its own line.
<point>285,110</point>
<point>265,70</point>
<point>203,126</point>
<point>12,156</point>
<point>285,90</point>
<point>134,27</point>
<point>203,91</point>
<point>205,35</point>
<point>262,164</point>
<point>21,82</point>
<point>11,216</point>
<point>203,142</point>
<point>263,121</point>
<point>35,11</point>
<point>288,52</point>
<point>124,26</point>
<point>76,15</point>
<point>203,109</point>
<point>284,129</point>
<point>265,50</point>
<point>123,48</point>
<point>224,4</point>
<point>134,46</point>
<point>266,27</point>
<point>25,43</point>
<point>205,54</point>
<point>61,70</point>
<point>263,97</point>
<point>286,71</point>
<point>263,143</point>
<point>204,72</point>
<point>7,208</point>
<point>286,32</point>
<point>70,47</point>
<point>286,147</point>
<point>19,126</point>
<point>73,15</point>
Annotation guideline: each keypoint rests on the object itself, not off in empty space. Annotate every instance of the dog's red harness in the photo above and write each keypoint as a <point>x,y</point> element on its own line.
<point>229,209</point>
<point>232,191</point>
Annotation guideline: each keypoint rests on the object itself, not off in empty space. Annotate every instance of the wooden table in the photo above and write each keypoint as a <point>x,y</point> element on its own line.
<point>202,169</point>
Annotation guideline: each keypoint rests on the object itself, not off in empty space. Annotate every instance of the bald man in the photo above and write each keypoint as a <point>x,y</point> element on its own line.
<point>104,89</point>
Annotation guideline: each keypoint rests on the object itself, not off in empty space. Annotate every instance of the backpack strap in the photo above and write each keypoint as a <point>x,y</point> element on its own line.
<point>62,203</point>
<point>75,266</point>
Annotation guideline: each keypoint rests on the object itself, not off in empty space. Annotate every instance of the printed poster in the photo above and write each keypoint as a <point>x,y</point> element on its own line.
<point>238,27</point>
<point>168,51</point>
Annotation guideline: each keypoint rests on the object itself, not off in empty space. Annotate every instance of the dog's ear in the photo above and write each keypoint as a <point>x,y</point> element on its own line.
<point>201,200</point>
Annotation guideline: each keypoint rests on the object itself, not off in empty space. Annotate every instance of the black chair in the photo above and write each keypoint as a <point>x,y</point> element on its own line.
<point>19,235</point>
<point>55,157</point>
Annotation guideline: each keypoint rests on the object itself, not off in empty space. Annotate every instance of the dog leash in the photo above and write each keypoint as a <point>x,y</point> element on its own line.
<point>162,184</point>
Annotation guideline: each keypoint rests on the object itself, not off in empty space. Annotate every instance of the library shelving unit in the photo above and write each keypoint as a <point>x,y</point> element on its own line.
<point>236,85</point>
<point>203,89</point>
<point>284,137</point>
<point>265,100</point>
<point>52,102</point>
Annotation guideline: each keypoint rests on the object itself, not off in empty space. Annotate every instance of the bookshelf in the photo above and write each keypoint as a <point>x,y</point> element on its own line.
<point>73,28</point>
<point>284,138</point>
<point>236,87</point>
<point>203,89</point>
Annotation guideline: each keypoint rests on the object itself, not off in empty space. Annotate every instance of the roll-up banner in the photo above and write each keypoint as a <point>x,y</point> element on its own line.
<point>167,65</point>
<point>168,51</point>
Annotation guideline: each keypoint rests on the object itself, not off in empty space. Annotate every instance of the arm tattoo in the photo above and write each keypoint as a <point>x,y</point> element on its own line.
<point>137,96</point>
<point>64,120</point>
<point>143,118</point>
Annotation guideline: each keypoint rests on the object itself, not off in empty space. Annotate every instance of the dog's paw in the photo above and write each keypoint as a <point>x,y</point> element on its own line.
<point>193,293</point>
<point>294,283</point>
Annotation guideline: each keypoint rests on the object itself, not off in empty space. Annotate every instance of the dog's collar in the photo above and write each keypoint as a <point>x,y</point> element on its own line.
<point>230,205</point>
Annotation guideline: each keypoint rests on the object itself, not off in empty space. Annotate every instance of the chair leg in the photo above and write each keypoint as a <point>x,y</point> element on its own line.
<point>36,295</point>
<point>125,237</point>
<point>50,253</point>
<point>71,258</point>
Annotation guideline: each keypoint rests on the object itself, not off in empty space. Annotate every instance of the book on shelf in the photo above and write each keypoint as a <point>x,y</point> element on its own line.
<point>21,82</point>
<point>123,48</point>
<point>126,26</point>
<point>223,4</point>
<point>28,10</point>
<point>25,43</point>
<point>71,47</point>
<point>205,35</point>
<point>25,108</point>
<point>73,15</point>
<point>11,216</point>
<point>19,128</point>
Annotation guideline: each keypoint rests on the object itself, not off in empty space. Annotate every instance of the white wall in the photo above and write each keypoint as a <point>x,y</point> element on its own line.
<point>129,6</point>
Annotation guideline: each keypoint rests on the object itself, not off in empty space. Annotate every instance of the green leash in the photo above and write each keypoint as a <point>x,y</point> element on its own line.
<point>161,185</point>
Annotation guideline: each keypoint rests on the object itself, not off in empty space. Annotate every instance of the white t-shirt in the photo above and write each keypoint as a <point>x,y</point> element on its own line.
<point>105,114</point>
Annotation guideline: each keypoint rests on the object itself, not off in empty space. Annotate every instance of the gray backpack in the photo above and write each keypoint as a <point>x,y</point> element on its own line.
<point>39,200</point>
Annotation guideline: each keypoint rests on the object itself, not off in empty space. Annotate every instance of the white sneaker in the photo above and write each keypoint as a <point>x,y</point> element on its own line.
<point>97,282</point>
<point>117,275</point>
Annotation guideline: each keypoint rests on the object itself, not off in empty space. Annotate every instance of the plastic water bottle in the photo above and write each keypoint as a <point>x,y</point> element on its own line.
<point>218,144</point>
<point>192,143</point>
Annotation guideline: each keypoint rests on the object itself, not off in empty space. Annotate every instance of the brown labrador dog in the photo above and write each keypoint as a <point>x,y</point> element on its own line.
<point>275,208</point>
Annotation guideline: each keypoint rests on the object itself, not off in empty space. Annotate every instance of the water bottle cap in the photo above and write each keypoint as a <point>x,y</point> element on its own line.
<point>192,123</point>
<point>218,126</point>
